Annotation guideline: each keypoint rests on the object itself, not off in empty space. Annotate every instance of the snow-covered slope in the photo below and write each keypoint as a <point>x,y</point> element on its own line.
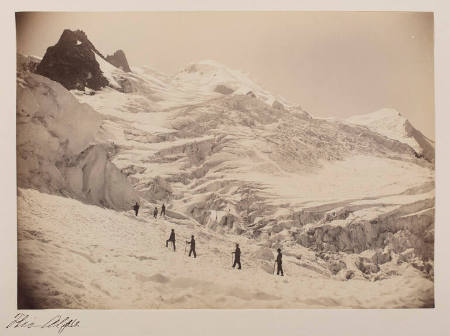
<point>208,77</point>
<point>236,165</point>
<point>119,261</point>
<point>392,124</point>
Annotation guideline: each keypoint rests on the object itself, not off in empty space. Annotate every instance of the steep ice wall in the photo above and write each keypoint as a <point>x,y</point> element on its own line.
<point>57,150</point>
<point>354,231</point>
<point>371,235</point>
<point>94,179</point>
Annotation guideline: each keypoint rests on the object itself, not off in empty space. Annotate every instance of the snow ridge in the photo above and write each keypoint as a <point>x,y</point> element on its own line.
<point>388,122</point>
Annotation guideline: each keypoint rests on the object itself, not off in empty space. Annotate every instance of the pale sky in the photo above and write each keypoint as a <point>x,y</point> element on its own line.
<point>333,64</point>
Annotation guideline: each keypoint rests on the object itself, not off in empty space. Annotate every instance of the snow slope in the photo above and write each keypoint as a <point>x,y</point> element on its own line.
<point>392,124</point>
<point>207,77</point>
<point>107,70</point>
<point>105,259</point>
<point>196,83</point>
<point>388,122</point>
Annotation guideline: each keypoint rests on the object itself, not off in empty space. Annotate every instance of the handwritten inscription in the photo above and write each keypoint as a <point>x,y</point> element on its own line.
<point>58,322</point>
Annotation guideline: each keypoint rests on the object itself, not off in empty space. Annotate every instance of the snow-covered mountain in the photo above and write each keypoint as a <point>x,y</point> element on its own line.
<point>392,124</point>
<point>346,200</point>
<point>207,77</point>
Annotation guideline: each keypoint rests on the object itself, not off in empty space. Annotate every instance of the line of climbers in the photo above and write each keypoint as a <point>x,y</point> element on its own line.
<point>155,211</point>
<point>235,256</point>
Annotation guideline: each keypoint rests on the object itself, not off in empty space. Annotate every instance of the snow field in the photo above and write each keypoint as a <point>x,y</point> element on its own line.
<point>83,256</point>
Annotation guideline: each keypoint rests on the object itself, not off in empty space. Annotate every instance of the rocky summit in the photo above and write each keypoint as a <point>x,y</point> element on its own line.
<point>119,60</point>
<point>72,62</point>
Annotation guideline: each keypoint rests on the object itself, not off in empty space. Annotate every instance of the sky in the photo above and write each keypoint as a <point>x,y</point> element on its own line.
<point>332,64</point>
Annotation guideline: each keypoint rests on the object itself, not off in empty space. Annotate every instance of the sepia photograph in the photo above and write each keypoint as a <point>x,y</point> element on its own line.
<point>225,160</point>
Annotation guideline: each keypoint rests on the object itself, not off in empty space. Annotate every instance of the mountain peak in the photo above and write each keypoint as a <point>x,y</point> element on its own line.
<point>209,76</point>
<point>71,62</point>
<point>210,62</point>
<point>392,124</point>
<point>205,67</point>
<point>383,114</point>
<point>119,60</point>
<point>71,36</point>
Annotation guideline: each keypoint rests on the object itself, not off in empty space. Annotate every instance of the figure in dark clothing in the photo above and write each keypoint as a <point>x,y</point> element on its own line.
<point>155,212</point>
<point>171,239</point>
<point>136,208</point>
<point>192,243</point>
<point>237,257</point>
<point>163,210</point>
<point>279,263</point>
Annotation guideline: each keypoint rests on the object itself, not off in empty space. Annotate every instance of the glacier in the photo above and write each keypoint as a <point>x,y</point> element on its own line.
<point>350,202</point>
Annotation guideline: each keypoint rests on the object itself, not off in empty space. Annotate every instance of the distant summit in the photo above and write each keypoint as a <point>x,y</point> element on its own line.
<point>390,123</point>
<point>119,60</point>
<point>208,76</point>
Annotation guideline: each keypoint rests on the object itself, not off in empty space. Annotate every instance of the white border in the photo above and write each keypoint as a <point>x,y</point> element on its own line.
<point>233,322</point>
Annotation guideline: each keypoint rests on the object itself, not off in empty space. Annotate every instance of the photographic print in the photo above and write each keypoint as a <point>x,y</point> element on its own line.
<point>225,160</point>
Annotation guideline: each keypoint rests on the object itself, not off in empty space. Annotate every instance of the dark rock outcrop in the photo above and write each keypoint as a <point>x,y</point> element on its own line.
<point>366,266</point>
<point>426,144</point>
<point>223,89</point>
<point>71,62</point>
<point>336,266</point>
<point>27,63</point>
<point>119,60</point>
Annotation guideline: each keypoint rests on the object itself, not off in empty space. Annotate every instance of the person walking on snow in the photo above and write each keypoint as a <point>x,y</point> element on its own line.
<point>155,212</point>
<point>136,208</point>
<point>237,257</point>
<point>192,243</point>
<point>171,239</point>
<point>163,210</point>
<point>279,263</point>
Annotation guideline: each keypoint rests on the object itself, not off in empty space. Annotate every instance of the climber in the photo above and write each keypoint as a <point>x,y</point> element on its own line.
<point>136,208</point>
<point>192,243</point>
<point>163,210</point>
<point>237,257</point>
<point>171,239</point>
<point>279,262</point>
<point>155,212</point>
